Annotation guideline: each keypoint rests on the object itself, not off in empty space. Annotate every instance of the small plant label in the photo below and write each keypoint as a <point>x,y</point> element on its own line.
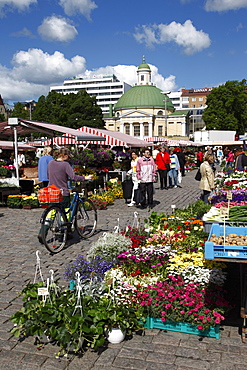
<point>229,195</point>
<point>44,292</point>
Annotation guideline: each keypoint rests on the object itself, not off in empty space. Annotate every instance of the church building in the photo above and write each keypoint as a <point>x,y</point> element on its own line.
<point>144,111</point>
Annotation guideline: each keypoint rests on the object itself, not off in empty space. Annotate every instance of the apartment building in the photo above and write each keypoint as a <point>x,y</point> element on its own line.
<point>195,101</point>
<point>106,89</point>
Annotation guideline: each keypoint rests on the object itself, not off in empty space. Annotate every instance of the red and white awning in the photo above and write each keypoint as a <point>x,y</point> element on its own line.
<point>156,139</point>
<point>112,138</point>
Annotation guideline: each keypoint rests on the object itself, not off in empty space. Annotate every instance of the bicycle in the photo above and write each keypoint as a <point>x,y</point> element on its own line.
<point>56,221</point>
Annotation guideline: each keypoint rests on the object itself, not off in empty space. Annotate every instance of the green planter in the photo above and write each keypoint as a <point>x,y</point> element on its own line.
<point>182,327</point>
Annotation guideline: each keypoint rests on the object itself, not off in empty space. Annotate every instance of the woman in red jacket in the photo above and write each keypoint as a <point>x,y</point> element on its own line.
<point>162,162</point>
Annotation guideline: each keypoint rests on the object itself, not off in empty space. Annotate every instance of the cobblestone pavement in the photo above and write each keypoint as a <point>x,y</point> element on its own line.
<point>156,350</point>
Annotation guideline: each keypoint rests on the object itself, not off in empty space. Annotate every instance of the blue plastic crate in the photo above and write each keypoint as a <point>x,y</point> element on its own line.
<point>182,327</point>
<point>225,251</point>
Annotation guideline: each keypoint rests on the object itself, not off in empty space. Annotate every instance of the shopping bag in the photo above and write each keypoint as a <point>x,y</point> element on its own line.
<point>138,196</point>
<point>179,177</point>
<point>127,186</point>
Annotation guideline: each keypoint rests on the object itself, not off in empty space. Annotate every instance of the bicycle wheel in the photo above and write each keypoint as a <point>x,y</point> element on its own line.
<point>54,228</point>
<point>85,218</point>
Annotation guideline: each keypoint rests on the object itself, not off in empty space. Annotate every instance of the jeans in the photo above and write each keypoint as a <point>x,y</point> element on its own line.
<point>173,174</point>
<point>205,195</point>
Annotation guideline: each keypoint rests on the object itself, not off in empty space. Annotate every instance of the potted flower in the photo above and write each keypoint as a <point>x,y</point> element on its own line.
<point>30,201</point>
<point>4,171</point>
<point>14,201</point>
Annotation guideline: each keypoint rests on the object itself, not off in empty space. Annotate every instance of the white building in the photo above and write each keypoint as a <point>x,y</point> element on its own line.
<point>144,111</point>
<point>106,89</point>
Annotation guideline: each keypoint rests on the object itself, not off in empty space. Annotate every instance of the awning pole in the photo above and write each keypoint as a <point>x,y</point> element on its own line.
<point>16,154</point>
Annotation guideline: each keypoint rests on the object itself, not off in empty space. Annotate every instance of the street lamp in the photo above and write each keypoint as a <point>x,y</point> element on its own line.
<point>165,101</point>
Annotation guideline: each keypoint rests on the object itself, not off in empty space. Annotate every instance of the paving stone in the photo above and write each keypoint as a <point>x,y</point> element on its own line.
<point>161,358</point>
<point>234,359</point>
<point>192,343</point>
<point>166,340</point>
<point>188,352</point>
<point>107,357</point>
<point>155,366</point>
<point>194,364</point>
<point>34,359</point>
<point>129,363</point>
<point>55,364</point>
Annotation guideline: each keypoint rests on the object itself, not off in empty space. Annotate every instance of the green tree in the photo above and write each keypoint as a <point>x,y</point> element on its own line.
<point>2,118</point>
<point>227,107</point>
<point>20,111</point>
<point>71,110</point>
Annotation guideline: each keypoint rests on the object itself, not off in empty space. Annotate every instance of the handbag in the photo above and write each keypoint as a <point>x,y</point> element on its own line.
<point>198,175</point>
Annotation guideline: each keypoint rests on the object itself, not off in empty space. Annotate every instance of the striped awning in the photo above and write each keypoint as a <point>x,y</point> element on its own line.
<point>157,139</point>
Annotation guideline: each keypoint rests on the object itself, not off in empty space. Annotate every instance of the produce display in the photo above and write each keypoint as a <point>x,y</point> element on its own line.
<point>230,239</point>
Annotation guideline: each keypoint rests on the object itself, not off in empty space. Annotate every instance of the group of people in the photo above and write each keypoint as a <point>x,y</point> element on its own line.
<point>144,171</point>
<point>205,161</point>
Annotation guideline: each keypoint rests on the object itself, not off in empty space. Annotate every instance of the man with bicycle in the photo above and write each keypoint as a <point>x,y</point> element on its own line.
<point>59,171</point>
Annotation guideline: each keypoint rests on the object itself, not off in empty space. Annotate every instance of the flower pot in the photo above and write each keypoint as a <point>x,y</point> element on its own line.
<point>115,335</point>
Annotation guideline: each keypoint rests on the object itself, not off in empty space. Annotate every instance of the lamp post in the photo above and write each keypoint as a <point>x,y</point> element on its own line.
<point>165,101</point>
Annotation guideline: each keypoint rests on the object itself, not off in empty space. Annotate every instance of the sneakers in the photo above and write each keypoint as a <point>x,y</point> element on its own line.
<point>131,204</point>
<point>175,186</point>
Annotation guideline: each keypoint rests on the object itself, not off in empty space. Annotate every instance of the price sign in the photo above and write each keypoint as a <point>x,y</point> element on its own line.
<point>229,195</point>
<point>224,212</point>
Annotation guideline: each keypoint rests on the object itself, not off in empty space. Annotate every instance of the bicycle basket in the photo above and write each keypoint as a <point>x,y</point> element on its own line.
<point>50,194</point>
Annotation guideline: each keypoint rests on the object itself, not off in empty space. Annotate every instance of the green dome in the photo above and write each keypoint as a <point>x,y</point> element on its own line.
<point>143,96</point>
<point>144,65</point>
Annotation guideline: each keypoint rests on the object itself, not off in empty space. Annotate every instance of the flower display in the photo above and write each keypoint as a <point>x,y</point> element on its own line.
<point>191,303</point>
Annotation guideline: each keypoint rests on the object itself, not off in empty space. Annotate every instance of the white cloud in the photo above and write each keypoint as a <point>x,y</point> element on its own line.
<point>34,71</point>
<point>57,29</point>
<point>73,7</point>
<point>185,35</point>
<point>224,5</point>
<point>10,5</point>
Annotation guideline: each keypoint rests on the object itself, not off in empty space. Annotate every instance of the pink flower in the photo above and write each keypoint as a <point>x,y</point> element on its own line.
<point>182,312</point>
<point>201,317</point>
<point>217,320</point>
<point>200,327</point>
<point>163,319</point>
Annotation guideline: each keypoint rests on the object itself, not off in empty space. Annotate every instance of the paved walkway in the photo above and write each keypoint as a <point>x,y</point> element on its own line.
<point>156,350</point>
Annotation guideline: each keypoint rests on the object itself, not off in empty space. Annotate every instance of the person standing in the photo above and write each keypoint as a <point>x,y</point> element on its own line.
<point>182,160</point>
<point>207,180</point>
<point>146,172</point>
<point>219,155</point>
<point>43,165</point>
<point>133,174</point>
<point>230,159</point>
<point>240,159</point>
<point>174,167</point>
<point>163,165</point>
<point>199,157</point>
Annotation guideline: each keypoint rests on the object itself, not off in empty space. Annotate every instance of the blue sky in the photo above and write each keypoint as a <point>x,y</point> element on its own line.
<point>188,43</point>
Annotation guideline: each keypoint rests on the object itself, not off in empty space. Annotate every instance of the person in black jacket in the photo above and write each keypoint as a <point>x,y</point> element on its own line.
<point>182,160</point>
<point>240,159</point>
